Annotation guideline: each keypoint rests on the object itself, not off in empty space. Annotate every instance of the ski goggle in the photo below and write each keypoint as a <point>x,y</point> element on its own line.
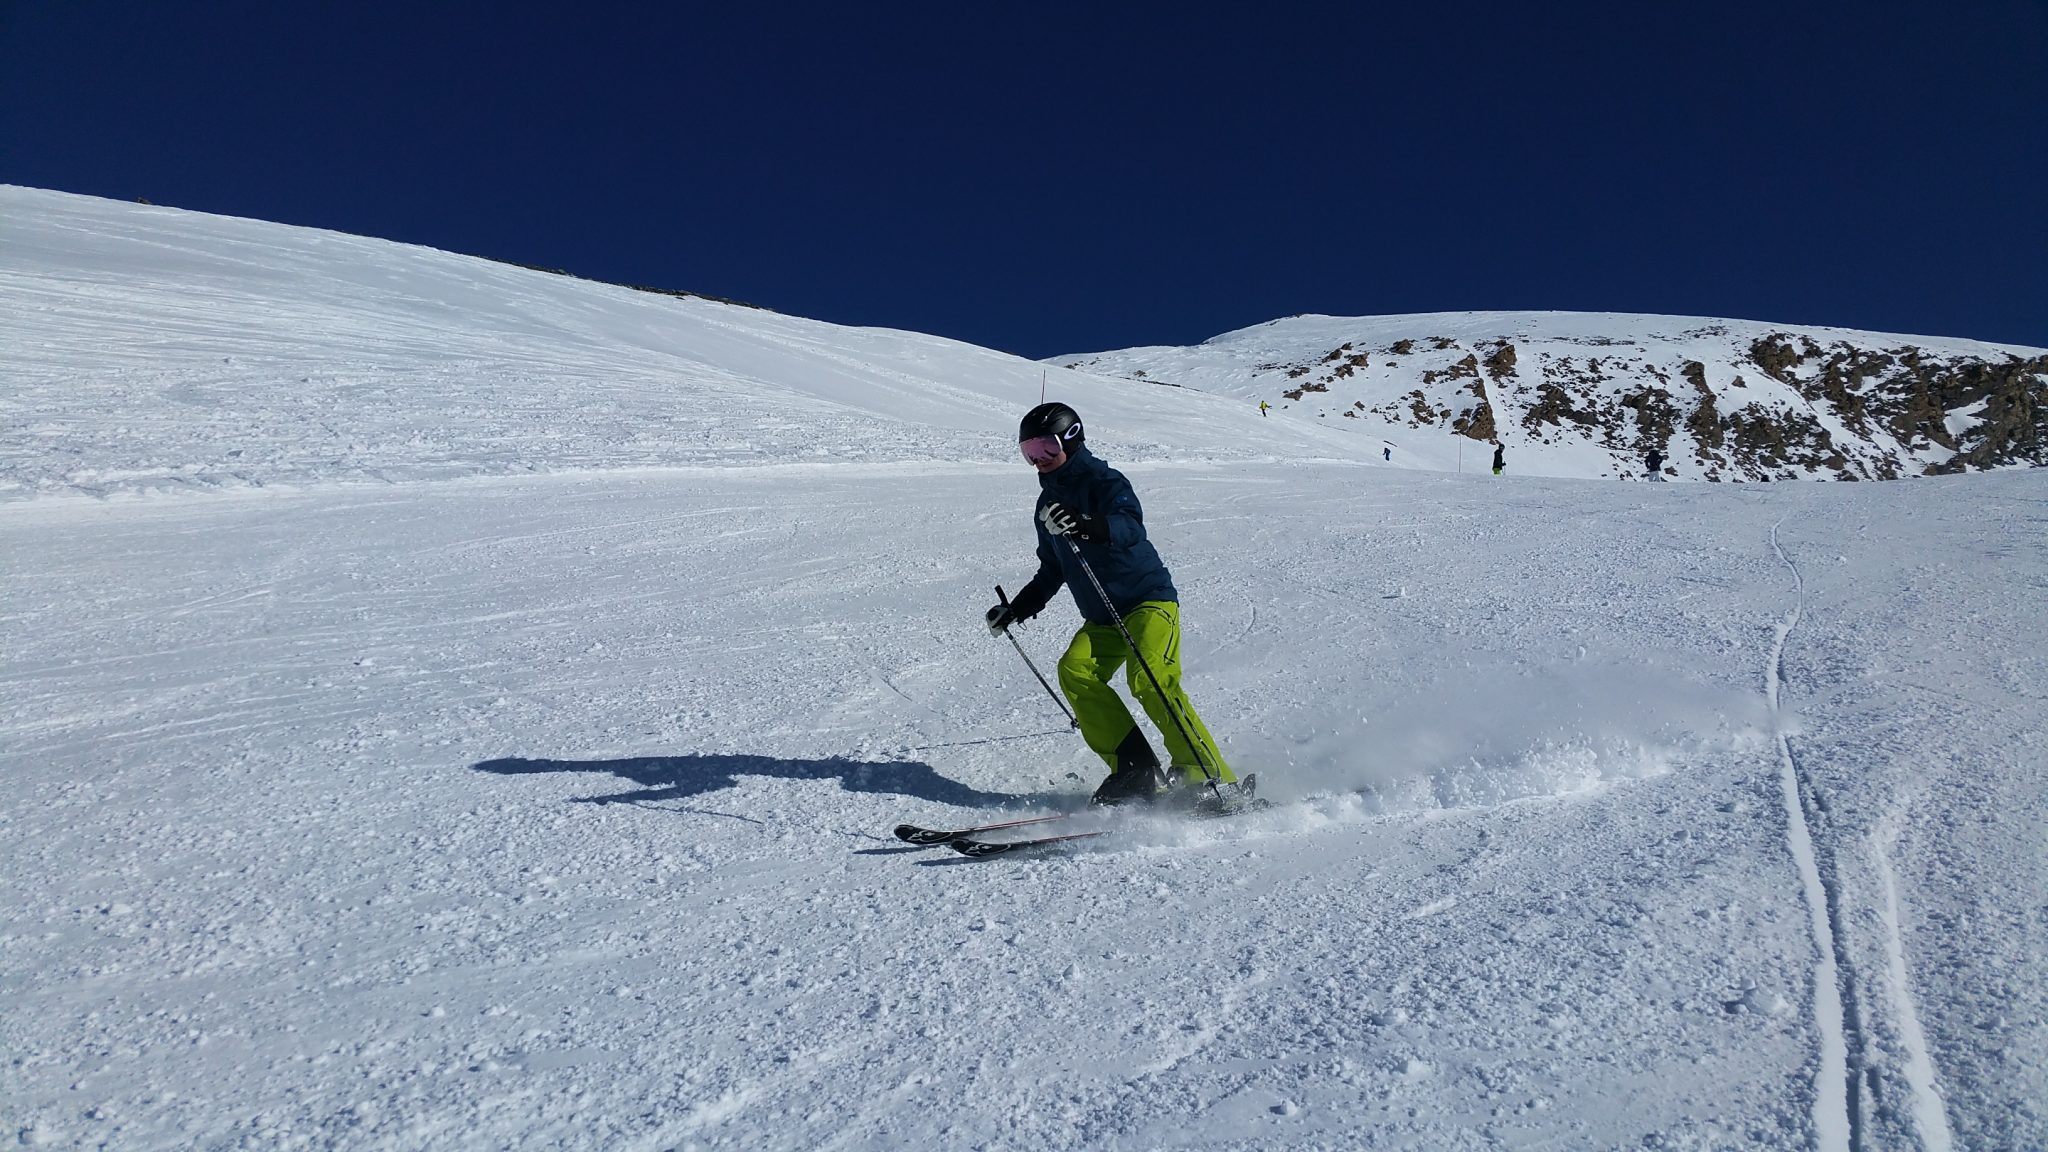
<point>1041,449</point>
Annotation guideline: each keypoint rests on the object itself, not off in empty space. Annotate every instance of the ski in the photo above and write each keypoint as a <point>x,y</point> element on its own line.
<point>1241,799</point>
<point>979,849</point>
<point>912,834</point>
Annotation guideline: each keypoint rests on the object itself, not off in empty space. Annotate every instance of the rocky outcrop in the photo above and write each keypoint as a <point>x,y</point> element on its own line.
<point>1915,398</point>
<point>1719,400</point>
<point>1864,413</point>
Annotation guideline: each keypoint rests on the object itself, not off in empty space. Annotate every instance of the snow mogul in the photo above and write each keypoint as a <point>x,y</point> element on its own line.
<point>1091,538</point>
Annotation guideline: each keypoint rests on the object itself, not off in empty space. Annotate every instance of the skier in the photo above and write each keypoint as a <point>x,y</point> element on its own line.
<point>1500,458</point>
<point>1083,499</point>
<point>1655,461</point>
<point>1263,406</point>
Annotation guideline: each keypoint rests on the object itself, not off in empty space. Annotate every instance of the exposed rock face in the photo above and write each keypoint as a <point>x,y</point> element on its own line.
<point>1914,398</point>
<point>1719,400</point>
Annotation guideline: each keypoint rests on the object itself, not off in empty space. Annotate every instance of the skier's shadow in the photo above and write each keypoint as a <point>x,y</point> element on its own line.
<point>681,777</point>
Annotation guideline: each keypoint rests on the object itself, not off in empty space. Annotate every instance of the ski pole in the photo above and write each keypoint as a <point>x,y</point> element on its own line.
<point>1071,722</point>
<point>1215,778</point>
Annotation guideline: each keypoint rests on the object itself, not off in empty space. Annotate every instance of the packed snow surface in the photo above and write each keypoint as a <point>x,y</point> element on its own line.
<point>388,799</point>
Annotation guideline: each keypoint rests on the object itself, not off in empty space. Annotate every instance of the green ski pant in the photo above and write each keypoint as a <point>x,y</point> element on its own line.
<point>1092,660</point>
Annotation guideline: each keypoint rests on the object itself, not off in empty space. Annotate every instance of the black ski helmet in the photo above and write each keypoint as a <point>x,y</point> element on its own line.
<point>1054,419</point>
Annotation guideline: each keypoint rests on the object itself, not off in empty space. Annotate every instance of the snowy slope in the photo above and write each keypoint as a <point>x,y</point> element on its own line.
<point>552,810</point>
<point>1586,394</point>
<point>151,348</point>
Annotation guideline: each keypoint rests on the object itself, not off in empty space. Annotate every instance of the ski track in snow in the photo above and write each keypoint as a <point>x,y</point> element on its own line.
<point>1836,1104</point>
<point>1844,1076</point>
<point>1930,1115</point>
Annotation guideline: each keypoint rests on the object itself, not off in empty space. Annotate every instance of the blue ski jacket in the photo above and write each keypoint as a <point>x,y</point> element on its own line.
<point>1128,566</point>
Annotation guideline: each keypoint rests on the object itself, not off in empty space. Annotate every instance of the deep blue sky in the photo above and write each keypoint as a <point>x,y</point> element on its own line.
<point>1045,179</point>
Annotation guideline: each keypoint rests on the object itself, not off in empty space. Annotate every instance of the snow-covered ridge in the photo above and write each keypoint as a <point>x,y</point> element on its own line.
<point>149,348</point>
<point>1589,394</point>
<point>152,348</point>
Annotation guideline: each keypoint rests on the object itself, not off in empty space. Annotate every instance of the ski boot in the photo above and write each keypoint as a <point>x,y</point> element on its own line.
<point>1198,798</point>
<point>1137,777</point>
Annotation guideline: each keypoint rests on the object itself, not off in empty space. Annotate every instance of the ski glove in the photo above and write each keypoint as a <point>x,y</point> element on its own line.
<point>1060,520</point>
<point>1002,616</point>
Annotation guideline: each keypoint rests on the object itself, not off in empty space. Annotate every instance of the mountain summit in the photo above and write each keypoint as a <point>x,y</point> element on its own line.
<point>1591,394</point>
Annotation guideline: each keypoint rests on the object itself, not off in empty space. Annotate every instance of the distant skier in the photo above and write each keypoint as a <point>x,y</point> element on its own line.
<point>1083,499</point>
<point>1655,462</point>
<point>1500,458</point>
<point>1263,406</point>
